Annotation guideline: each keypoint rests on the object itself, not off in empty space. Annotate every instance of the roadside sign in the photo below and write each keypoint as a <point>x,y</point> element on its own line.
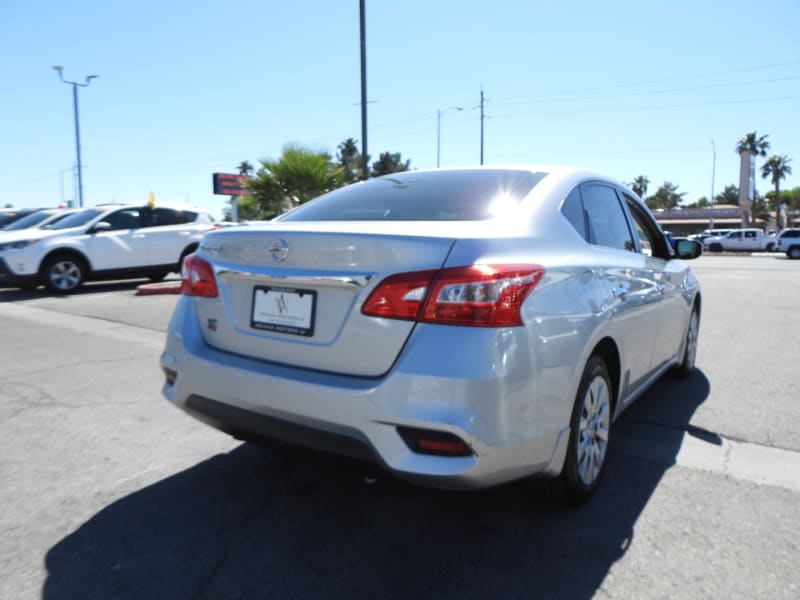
<point>229,184</point>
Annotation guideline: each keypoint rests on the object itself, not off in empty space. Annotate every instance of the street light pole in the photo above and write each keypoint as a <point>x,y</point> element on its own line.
<point>75,85</point>
<point>363,38</point>
<point>713,174</point>
<point>439,112</point>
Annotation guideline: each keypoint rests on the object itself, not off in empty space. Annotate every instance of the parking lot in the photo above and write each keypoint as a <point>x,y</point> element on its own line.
<point>109,492</point>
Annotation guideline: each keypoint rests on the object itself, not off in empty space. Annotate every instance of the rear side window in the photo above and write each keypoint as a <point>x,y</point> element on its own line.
<point>608,225</point>
<point>430,196</point>
<point>167,216</point>
<point>128,218</point>
<point>572,209</point>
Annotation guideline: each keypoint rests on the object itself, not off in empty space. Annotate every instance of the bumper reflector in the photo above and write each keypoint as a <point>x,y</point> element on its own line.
<point>437,443</point>
<point>171,375</point>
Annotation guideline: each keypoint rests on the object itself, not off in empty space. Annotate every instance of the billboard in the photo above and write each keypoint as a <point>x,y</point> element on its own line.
<point>229,184</point>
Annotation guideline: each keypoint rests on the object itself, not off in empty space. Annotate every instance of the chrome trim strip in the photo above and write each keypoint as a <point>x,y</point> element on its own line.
<point>300,278</point>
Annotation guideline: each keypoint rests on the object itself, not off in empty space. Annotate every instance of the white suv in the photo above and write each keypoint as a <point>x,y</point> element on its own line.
<point>789,242</point>
<point>104,242</point>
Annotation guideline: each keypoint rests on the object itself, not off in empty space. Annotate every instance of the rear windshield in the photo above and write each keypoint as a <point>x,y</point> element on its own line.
<point>429,196</point>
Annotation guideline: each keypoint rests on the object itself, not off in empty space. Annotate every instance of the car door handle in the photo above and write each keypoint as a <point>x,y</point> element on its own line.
<point>185,233</point>
<point>137,236</point>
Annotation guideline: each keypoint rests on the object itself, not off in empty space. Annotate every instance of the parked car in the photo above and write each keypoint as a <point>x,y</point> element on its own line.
<point>40,218</point>
<point>741,240</point>
<point>9,215</point>
<point>104,242</point>
<point>708,233</point>
<point>460,327</point>
<point>788,241</point>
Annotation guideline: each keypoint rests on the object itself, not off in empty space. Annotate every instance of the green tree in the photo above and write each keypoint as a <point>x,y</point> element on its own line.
<point>639,185</point>
<point>729,195</point>
<point>701,202</point>
<point>389,163</point>
<point>666,197</point>
<point>790,197</point>
<point>752,143</point>
<point>299,175</point>
<point>349,160</point>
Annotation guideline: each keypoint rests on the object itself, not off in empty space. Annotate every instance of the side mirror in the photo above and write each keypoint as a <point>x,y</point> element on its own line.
<point>101,226</point>
<point>688,249</point>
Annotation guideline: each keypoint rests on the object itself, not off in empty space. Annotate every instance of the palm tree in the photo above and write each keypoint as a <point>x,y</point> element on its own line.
<point>245,168</point>
<point>639,185</point>
<point>777,167</point>
<point>752,143</point>
<point>299,175</point>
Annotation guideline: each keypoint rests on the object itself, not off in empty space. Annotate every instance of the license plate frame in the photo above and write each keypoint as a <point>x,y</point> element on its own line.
<point>284,310</point>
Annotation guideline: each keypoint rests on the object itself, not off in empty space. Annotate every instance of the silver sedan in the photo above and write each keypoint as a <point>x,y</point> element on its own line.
<point>461,327</point>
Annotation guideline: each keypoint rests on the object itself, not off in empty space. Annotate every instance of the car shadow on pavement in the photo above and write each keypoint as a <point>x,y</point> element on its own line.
<point>261,523</point>
<point>10,294</point>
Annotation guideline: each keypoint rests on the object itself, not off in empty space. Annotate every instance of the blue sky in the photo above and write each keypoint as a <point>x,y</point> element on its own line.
<point>191,88</point>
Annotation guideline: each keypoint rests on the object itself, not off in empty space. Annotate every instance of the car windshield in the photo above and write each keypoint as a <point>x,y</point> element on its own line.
<point>430,196</point>
<point>77,219</point>
<point>28,221</point>
<point>50,223</point>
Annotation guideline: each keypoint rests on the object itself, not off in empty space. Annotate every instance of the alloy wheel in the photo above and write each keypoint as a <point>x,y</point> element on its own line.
<point>65,275</point>
<point>595,420</point>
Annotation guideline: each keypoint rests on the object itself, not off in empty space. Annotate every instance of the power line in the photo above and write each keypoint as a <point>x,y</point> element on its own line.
<point>643,108</point>
<point>651,93</point>
<point>649,81</point>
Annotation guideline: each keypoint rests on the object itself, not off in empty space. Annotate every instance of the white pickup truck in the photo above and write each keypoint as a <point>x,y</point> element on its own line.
<point>741,240</point>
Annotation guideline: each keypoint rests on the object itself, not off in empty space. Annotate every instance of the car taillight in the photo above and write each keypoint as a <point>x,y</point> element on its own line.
<point>197,278</point>
<point>478,295</point>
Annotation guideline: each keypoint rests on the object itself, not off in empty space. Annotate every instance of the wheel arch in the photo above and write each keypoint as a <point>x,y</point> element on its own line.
<point>188,250</point>
<point>71,252</point>
<point>608,351</point>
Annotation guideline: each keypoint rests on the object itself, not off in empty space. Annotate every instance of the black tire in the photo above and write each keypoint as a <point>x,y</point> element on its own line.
<point>686,367</point>
<point>63,273</point>
<point>186,252</point>
<point>590,431</point>
<point>715,247</point>
<point>793,252</point>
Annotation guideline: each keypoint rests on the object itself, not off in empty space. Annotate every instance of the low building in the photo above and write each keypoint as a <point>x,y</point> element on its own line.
<point>686,221</point>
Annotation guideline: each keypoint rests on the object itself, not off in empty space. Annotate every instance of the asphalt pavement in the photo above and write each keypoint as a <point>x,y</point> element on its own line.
<point>110,492</point>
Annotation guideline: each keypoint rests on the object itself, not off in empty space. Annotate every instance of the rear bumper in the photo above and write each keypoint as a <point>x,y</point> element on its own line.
<point>510,434</point>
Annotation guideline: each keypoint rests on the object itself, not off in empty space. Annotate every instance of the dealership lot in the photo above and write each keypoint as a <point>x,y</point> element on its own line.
<point>108,491</point>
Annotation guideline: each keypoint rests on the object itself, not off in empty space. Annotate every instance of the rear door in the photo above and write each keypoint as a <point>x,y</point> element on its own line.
<point>168,232</point>
<point>630,278</point>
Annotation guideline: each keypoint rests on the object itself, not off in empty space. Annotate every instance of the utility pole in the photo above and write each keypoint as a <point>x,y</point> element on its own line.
<point>364,170</point>
<point>75,85</point>
<point>481,124</point>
